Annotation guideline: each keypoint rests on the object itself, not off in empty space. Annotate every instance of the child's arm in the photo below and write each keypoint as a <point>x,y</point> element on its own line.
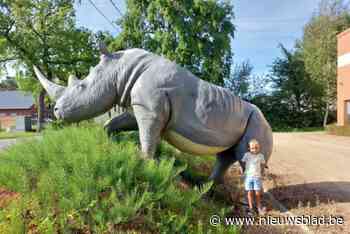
<point>262,169</point>
<point>263,165</point>
<point>242,168</point>
<point>242,163</point>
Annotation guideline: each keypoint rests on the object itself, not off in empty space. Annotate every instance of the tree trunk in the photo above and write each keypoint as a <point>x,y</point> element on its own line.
<point>325,118</point>
<point>41,111</point>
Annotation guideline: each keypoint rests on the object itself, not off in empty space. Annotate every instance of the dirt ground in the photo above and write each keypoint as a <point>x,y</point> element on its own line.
<point>309,173</point>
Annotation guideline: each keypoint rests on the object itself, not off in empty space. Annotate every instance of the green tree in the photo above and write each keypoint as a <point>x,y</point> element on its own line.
<point>239,79</point>
<point>258,85</point>
<point>296,98</point>
<point>8,83</point>
<point>43,33</point>
<point>320,48</point>
<point>194,33</point>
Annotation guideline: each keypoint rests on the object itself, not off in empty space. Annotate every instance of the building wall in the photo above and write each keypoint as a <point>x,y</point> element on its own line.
<point>343,82</point>
<point>8,116</point>
<point>7,122</point>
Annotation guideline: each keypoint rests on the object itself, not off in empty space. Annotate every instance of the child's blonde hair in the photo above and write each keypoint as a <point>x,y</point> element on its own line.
<point>253,141</point>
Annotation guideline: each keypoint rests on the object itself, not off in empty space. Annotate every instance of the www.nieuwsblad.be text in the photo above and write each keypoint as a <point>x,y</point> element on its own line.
<point>216,220</point>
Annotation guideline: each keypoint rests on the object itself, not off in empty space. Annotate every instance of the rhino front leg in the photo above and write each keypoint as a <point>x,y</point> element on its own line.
<point>259,129</point>
<point>152,116</point>
<point>151,125</point>
<point>120,123</point>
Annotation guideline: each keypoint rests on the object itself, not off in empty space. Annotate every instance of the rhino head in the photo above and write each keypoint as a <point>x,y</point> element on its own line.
<point>87,98</point>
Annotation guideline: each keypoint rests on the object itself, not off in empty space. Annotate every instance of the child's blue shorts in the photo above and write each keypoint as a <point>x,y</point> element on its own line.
<point>253,183</point>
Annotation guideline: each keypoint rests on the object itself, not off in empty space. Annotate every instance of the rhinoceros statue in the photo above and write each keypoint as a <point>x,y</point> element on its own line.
<point>163,100</point>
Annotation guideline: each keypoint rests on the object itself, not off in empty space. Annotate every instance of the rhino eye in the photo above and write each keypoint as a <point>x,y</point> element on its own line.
<point>80,87</point>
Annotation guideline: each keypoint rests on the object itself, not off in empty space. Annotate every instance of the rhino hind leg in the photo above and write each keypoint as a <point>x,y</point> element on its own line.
<point>259,129</point>
<point>223,161</point>
<point>120,123</point>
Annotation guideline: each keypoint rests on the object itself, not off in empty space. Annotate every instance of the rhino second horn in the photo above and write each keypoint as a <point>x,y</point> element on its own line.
<point>72,80</point>
<point>55,91</point>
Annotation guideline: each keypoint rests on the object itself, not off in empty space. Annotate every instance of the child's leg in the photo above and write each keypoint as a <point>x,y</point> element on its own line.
<point>250,198</point>
<point>249,187</point>
<point>258,194</point>
<point>258,191</point>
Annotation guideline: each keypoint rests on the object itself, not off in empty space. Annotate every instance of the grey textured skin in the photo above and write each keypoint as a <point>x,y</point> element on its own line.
<point>165,101</point>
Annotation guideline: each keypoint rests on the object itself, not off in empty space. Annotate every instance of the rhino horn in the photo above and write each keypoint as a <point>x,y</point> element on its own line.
<point>103,49</point>
<point>72,80</point>
<point>54,90</point>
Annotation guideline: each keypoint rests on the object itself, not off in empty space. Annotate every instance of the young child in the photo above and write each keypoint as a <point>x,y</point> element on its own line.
<point>254,163</point>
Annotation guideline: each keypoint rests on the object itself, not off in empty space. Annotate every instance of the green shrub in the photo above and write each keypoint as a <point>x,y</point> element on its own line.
<point>305,129</point>
<point>338,130</point>
<point>75,180</point>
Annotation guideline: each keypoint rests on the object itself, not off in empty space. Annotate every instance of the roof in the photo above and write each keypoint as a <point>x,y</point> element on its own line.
<point>15,100</point>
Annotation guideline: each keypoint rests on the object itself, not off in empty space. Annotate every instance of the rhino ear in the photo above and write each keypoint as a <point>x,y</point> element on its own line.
<point>72,80</point>
<point>103,49</point>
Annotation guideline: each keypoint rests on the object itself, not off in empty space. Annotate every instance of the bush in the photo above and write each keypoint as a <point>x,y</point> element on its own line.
<point>75,180</point>
<point>338,130</point>
<point>305,129</point>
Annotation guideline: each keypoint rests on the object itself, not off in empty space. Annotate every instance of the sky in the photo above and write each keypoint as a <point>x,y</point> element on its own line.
<point>261,25</point>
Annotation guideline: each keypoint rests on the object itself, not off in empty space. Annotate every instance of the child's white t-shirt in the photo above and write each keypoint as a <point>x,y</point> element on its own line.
<point>253,164</point>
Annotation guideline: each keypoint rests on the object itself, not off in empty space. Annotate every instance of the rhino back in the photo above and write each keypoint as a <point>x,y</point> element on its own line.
<point>205,118</point>
<point>207,114</point>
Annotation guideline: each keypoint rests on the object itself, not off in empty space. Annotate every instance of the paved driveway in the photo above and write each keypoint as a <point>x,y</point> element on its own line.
<point>7,142</point>
<point>312,157</point>
<point>313,164</point>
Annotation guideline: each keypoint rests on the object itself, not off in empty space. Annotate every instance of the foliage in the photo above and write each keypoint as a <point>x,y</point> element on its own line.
<point>303,80</point>
<point>75,180</point>
<point>195,33</point>
<point>299,98</point>
<point>43,33</point>
<point>319,45</point>
<point>259,85</point>
<point>8,84</point>
<point>11,135</point>
<point>245,84</point>
<point>295,100</point>
<point>239,79</point>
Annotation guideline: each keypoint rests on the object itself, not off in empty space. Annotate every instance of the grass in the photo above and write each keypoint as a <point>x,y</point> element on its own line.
<point>308,129</point>
<point>338,130</point>
<point>12,135</point>
<point>75,180</point>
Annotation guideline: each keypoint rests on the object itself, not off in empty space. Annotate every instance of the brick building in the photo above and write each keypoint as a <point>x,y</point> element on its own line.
<point>15,103</point>
<point>343,83</point>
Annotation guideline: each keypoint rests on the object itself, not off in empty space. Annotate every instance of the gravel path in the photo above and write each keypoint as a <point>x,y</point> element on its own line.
<point>309,165</point>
